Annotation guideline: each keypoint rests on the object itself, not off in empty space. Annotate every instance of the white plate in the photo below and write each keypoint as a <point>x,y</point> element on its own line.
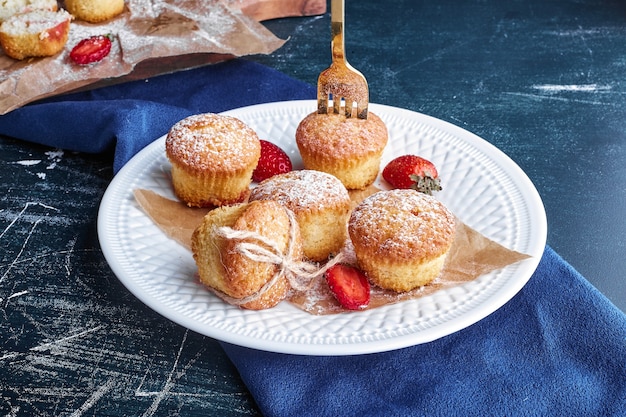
<point>482,186</point>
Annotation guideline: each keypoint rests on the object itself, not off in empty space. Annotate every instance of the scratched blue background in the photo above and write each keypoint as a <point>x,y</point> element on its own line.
<point>542,80</point>
<point>73,340</point>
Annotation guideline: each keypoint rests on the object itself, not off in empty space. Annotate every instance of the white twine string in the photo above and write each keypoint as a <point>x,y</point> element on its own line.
<point>259,248</point>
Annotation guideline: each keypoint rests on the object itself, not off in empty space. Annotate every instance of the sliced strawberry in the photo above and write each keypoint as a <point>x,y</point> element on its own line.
<point>349,285</point>
<point>411,171</point>
<point>273,161</point>
<point>91,49</point>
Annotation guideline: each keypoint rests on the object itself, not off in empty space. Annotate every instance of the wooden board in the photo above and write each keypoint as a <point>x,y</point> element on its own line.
<point>261,10</point>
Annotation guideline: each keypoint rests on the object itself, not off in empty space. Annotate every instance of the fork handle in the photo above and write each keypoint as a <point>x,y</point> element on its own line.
<point>337,29</point>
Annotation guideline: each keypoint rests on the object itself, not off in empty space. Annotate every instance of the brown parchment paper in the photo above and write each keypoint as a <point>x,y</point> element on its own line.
<point>148,32</point>
<point>472,254</point>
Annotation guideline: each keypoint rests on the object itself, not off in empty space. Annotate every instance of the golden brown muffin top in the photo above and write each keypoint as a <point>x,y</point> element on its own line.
<point>340,137</point>
<point>402,224</point>
<point>212,142</point>
<point>303,190</point>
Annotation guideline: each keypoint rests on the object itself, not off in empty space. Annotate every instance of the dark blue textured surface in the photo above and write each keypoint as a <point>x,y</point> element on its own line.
<point>542,80</point>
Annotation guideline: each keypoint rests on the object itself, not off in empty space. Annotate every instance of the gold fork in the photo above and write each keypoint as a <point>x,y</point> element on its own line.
<point>341,82</point>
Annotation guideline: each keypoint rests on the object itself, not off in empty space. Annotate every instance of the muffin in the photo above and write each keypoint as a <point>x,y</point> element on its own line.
<point>9,8</point>
<point>94,11</point>
<point>348,148</point>
<point>401,238</point>
<point>321,204</point>
<point>37,33</point>
<point>235,277</point>
<point>212,158</point>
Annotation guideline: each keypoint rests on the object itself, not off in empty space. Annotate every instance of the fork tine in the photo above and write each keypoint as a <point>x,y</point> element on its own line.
<point>352,108</point>
<point>322,103</point>
<point>361,111</point>
<point>337,104</point>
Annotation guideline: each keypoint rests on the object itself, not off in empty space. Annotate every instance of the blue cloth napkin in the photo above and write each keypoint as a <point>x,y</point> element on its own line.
<point>558,348</point>
<point>127,117</point>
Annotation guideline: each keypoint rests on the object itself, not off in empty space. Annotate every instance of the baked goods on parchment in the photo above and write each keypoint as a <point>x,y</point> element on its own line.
<point>321,204</point>
<point>150,37</point>
<point>348,148</point>
<point>401,238</point>
<point>38,28</point>
<point>212,159</point>
<point>36,33</point>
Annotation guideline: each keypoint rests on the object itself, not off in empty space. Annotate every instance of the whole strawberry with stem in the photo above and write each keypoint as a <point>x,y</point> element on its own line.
<point>273,161</point>
<point>412,171</point>
<point>349,285</point>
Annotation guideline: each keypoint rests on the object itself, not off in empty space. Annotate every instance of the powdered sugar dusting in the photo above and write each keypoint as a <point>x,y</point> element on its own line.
<point>9,8</point>
<point>333,136</point>
<point>404,223</point>
<point>302,190</point>
<point>33,22</point>
<point>212,141</point>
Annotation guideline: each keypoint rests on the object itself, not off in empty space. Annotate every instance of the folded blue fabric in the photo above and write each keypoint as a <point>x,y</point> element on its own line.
<point>127,117</point>
<point>558,348</point>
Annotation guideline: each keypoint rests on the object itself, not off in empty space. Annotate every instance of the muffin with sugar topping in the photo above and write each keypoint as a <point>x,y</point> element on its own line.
<point>346,147</point>
<point>401,238</point>
<point>37,33</point>
<point>320,203</point>
<point>212,159</point>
